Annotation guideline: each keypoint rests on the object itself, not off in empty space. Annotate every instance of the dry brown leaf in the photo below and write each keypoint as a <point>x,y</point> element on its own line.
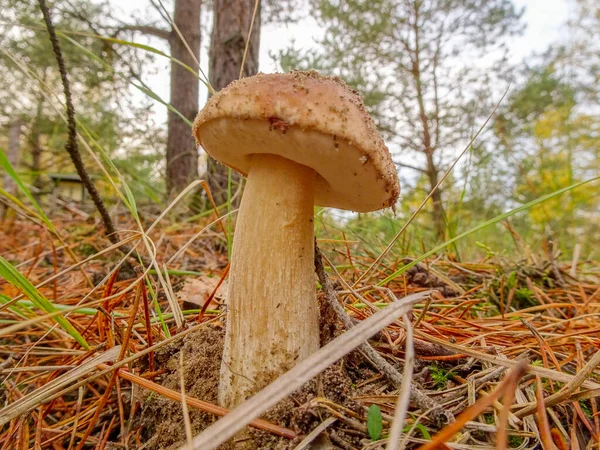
<point>198,290</point>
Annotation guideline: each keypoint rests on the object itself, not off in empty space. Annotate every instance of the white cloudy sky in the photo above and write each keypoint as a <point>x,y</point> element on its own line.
<point>545,21</point>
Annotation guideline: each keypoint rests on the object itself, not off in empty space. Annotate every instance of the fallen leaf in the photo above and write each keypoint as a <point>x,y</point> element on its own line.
<point>198,290</point>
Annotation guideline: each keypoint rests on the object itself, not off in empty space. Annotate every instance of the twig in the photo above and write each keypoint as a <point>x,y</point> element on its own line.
<point>567,390</point>
<point>390,372</point>
<point>71,145</point>
<point>184,406</point>
<point>555,269</point>
<point>576,254</point>
<point>315,433</point>
<point>198,404</point>
<point>542,418</point>
<point>256,6</point>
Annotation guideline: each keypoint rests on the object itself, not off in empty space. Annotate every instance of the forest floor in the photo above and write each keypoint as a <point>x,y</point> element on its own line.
<point>519,331</point>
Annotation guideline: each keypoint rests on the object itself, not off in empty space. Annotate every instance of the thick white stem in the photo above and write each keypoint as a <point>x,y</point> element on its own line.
<point>272,312</point>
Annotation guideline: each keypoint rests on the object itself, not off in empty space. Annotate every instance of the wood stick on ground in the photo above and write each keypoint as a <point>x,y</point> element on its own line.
<point>389,371</point>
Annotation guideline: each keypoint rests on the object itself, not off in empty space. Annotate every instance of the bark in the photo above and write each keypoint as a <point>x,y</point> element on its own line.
<point>36,150</point>
<point>182,155</point>
<point>429,149</point>
<point>232,19</point>
<point>36,156</point>
<point>436,198</point>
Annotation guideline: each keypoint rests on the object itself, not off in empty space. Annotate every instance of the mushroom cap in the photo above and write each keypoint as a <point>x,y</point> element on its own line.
<point>308,118</point>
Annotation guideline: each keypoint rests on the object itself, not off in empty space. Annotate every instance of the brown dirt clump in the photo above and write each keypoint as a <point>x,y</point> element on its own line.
<point>162,419</point>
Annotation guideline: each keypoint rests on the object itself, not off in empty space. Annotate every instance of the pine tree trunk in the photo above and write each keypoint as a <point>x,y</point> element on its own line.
<point>36,151</point>
<point>439,226</point>
<point>232,20</point>
<point>182,155</point>
<point>13,153</point>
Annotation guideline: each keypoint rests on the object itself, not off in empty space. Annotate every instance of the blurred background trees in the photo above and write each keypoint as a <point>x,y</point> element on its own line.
<point>430,72</point>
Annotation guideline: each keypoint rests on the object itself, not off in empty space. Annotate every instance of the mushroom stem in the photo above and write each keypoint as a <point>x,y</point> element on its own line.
<point>272,312</point>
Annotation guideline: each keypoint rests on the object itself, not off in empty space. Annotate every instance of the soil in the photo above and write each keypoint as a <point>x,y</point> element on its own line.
<point>162,419</point>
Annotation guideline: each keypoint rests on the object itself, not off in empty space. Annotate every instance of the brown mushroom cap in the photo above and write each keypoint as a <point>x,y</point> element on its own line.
<point>313,120</point>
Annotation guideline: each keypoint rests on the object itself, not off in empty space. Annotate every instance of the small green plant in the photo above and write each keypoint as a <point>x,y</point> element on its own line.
<point>515,441</point>
<point>374,422</point>
<point>586,408</point>
<point>422,429</point>
<point>86,250</point>
<point>524,295</point>
<point>439,377</point>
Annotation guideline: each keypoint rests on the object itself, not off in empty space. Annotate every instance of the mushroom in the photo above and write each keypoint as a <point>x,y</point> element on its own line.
<point>301,139</point>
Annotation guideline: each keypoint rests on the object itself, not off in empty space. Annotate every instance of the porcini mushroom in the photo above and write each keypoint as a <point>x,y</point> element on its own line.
<point>302,139</point>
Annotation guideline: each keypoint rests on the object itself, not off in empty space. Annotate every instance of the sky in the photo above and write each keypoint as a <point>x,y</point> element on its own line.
<point>545,21</point>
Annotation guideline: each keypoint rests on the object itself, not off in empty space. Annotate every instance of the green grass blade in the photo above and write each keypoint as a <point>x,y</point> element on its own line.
<point>146,48</point>
<point>5,163</point>
<point>28,304</point>
<point>131,201</point>
<point>484,225</point>
<point>14,277</point>
<point>20,204</point>
<point>179,273</point>
<point>142,87</point>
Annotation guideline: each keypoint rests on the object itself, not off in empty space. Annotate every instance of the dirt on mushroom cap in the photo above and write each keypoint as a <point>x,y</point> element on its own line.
<point>283,114</point>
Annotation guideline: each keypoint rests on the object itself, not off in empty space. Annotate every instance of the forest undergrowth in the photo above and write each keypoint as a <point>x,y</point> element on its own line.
<point>505,348</point>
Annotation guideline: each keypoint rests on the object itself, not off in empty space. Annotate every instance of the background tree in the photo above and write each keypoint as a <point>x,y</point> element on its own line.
<point>99,96</point>
<point>184,44</point>
<point>425,68</point>
<point>231,23</point>
<point>551,138</point>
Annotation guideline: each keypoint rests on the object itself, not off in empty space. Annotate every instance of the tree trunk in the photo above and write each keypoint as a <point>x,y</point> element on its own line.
<point>14,153</point>
<point>36,149</point>
<point>436,198</point>
<point>13,156</point>
<point>182,155</point>
<point>36,156</point>
<point>232,19</point>
<point>432,170</point>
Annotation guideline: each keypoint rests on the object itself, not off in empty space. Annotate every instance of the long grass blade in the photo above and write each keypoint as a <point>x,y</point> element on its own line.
<point>5,163</point>
<point>14,277</point>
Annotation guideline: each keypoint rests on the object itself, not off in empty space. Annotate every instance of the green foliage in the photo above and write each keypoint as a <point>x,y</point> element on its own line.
<point>99,96</point>
<point>439,376</point>
<point>551,142</point>
<point>10,171</point>
<point>374,422</point>
<point>524,298</point>
<point>585,407</point>
<point>485,225</point>
<point>422,429</point>
<point>515,441</point>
